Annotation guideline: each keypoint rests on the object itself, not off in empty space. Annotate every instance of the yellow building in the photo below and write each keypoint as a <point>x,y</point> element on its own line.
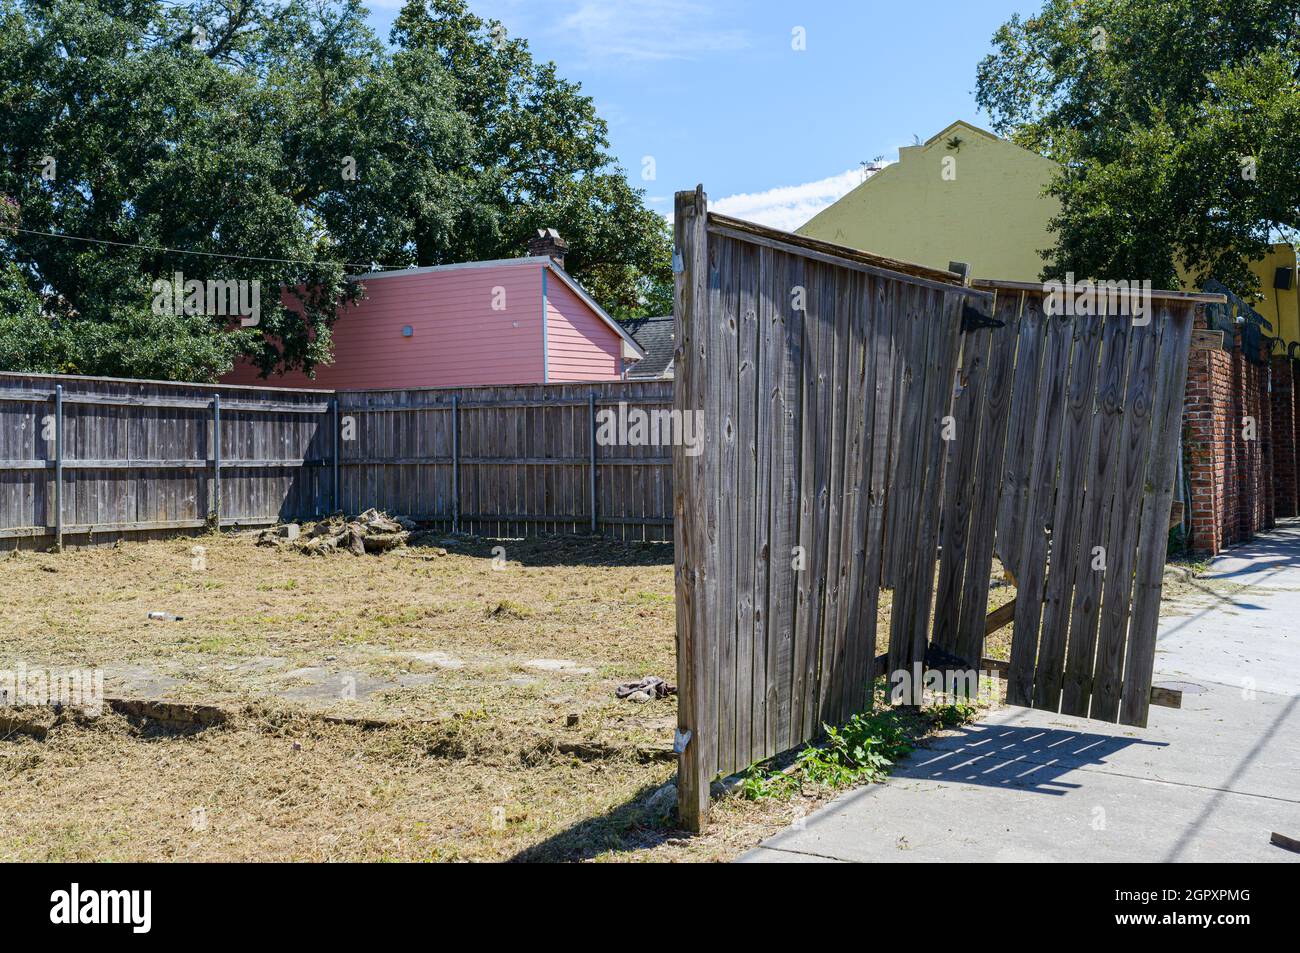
<point>1280,305</point>
<point>968,195</point>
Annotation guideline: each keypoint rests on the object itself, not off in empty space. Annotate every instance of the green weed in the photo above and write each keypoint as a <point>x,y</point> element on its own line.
<point>861,751</point>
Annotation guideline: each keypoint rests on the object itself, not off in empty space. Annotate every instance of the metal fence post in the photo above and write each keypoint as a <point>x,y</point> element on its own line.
<point>58,467</point>
<point>335,495</point>
<point>591,420</point>
<point>455,463</point>
<point>216,462</point>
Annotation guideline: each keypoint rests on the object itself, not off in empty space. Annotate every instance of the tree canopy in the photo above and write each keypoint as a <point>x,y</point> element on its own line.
<point>283,143</point>
<point>1176,124</point>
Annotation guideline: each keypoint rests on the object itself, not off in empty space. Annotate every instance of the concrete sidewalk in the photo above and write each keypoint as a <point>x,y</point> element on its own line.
<point>1209,781</point>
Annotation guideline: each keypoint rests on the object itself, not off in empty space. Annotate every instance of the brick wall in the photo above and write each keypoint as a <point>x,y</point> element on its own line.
<point>1286,492</point>
<point>1230,464</point>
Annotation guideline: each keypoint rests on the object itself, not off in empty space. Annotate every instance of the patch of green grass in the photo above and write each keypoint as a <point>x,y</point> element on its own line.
<point>1198,565</point>
<point>404,617</point>
<point>949,716</point>
<point>510,610</point>
<point>654,598</point>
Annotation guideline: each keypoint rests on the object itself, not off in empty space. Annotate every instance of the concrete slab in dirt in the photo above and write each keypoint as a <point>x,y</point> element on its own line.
<point>254,665</point>
<point>1209,781</point>
<point>327,685</point>
<point>562,665</point>
<point>137,681</point>
<point>440,659</point>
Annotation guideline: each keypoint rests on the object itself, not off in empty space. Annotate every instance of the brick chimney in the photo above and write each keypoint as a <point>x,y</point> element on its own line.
<point>548,242</point>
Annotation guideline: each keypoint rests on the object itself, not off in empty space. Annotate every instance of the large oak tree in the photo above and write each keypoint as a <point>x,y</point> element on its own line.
<point>1176,123</point>
<point>249,139</point>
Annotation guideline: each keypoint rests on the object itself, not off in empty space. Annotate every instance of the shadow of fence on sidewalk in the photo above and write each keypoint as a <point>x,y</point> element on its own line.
<point>1010,756</point>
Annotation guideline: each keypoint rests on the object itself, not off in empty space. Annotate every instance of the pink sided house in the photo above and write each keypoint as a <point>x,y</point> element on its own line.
<point>511,321</point>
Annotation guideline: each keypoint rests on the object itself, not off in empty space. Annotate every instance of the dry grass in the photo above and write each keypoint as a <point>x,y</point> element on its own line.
<point>455,633</point>
<point>473,764</point>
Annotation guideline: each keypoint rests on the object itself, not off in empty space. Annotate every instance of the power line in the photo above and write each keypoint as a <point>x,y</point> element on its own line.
<point>369,266</point>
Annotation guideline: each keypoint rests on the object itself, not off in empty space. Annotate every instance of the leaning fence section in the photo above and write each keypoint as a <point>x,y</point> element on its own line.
<point>1067,431</point>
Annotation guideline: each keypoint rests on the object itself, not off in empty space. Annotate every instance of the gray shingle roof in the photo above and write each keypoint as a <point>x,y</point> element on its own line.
<point>656,336</point>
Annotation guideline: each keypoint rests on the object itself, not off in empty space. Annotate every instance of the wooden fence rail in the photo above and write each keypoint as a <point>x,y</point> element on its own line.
<point>86,460</point>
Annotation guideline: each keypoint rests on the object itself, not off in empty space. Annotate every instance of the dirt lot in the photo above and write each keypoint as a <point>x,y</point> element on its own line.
<point>502,734</point>
<point>408,706</point>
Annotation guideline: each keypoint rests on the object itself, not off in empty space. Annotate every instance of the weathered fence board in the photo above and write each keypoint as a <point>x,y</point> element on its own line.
<point>983,403</point>
<point>839,347</point>
<point>141,456</point>
<point>1101,474</point>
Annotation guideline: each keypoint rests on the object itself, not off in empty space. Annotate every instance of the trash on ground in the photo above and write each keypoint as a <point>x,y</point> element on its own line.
<point>648,688</point>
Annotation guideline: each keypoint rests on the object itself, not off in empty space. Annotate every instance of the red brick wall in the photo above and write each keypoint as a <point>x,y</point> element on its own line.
<point>1231,476</point>
<point>1286,492</point>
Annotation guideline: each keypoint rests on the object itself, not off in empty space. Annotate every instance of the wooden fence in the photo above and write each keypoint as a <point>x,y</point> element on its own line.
<point>511,461</point>
<point>1064,465</point>
<point>868,421</point>
<point>87,460</point>
<point>823,377</point>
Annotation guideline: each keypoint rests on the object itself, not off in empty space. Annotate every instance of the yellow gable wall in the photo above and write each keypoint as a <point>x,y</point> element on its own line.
<point>992,214</point>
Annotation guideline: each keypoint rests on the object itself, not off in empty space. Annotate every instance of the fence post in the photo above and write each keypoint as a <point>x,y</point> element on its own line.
<point>591,420</point>
<point>696,718</point>
<point>215,516</point>
<point>334,496</point>
<point>58,468</point>
<point>455,463</point>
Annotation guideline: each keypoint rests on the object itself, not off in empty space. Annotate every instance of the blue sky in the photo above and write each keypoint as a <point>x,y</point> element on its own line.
<point>715,93</point>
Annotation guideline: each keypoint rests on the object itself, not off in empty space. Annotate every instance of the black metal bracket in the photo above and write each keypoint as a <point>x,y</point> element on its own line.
<point>972,319</point>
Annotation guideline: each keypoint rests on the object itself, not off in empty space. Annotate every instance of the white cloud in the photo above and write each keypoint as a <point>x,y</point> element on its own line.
<point>788,206</point>
<point>647,30</point>
<point>615,33</point>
